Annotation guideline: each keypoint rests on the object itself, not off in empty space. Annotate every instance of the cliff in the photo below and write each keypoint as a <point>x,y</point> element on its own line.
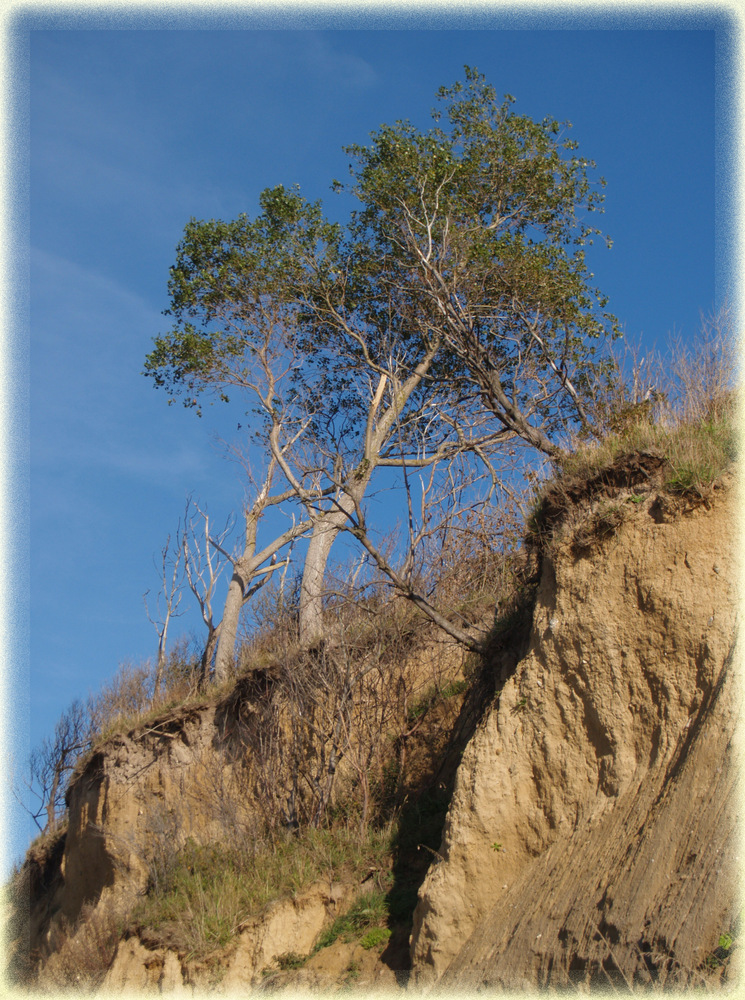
<point>591,835</point>
<point>592,831</point>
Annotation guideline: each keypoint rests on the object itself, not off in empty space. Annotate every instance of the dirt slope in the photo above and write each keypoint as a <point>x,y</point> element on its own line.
<point>592,825</point>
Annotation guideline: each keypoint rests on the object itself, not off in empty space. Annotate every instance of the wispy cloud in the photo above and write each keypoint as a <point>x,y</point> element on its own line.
<point>72,290</point>
<point>113,161</point>
<point>329,63</point>
<point>91,406</point>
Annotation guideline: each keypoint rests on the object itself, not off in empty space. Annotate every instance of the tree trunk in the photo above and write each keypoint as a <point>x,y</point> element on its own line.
<point>51,802</point>
<point>209,652</point>
<point>229,626</point>
<point>310,612</point>
<point>159,670</point>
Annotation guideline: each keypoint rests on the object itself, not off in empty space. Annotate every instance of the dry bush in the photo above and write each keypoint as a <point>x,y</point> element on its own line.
<point>289,724</point>
<point>317,728</point>
<point>369,681</point>
<point>629,388</point>
<point>704,374</point>
<point>126,696</point>
<point>181,672</point>
<point>477,557</point>
<point>52,764</point>
<point>131,696</point>
<point>681,408</point>
<point>327,738</point>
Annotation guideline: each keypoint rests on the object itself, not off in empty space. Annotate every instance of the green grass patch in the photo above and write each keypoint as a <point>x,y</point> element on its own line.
<point>210,890</point>
<point>375,937</point>
<point>697,454</point>
<point>369,911</point>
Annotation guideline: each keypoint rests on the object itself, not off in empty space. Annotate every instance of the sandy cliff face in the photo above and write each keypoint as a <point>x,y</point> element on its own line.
<point>136,798</point>
<point>593,820</point>
<point>136,792</point>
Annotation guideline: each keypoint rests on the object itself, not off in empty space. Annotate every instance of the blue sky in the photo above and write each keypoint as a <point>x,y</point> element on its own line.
<point>130,133</point>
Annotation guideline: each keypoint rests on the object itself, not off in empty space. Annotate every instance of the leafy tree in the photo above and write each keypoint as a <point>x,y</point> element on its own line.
<point>337,397</point>
<point>453,312</point>
<point>237,328</point>
<point>481,228</point>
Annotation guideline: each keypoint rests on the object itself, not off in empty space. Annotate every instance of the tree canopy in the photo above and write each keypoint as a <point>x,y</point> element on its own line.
<point>477,232</point>
<point>453,311</point>
<point>470,237</point>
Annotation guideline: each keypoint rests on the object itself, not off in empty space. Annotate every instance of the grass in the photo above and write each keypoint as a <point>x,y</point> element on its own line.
<point>375,937</point>
<point>367,914</point>
<point>212,889</point>
<point>685,458</point>
<point>695,453</point>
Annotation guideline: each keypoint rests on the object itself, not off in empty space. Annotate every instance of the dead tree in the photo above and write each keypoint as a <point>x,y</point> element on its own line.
<point>203,566</point>
<point>167,604</point>
<point>52,763</point>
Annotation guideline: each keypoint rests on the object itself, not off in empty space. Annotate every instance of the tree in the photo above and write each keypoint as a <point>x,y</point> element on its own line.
<point>405,427</point>
<point>460,254</point>
<point>167,604</point>
<point>52,763</point>
<point>263,307</point>
<point>482,225</point>
<point>453,312</point>
<point>203,566</point>
<point>237,328</point>
<point>249,571</point>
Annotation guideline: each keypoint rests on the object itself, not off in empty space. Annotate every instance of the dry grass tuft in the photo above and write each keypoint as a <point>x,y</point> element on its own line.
<point>669,426</point>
